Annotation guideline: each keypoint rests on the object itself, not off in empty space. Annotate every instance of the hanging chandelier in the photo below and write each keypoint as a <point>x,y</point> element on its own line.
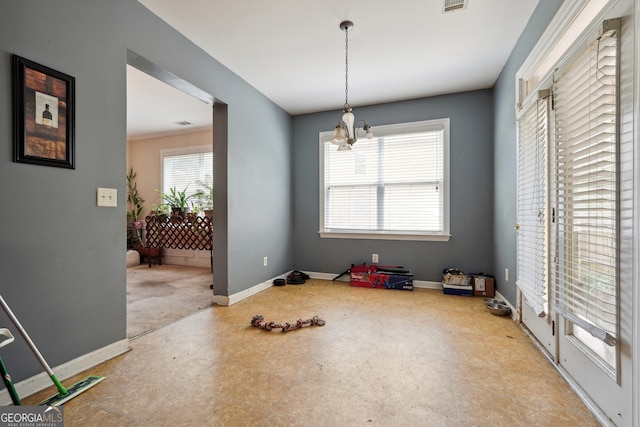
<point>346,132</point>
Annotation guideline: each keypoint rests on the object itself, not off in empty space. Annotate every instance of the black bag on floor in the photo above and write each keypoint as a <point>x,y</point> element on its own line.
<point>297,277</point>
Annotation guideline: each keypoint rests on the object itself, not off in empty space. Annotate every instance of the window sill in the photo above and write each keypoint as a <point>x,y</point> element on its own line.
<point>383,236</point>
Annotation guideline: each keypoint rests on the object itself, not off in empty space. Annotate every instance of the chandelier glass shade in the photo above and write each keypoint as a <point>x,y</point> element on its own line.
<point>348,129</point>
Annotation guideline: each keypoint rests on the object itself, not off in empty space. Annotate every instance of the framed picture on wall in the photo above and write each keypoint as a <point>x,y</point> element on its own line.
<point>43,115</point>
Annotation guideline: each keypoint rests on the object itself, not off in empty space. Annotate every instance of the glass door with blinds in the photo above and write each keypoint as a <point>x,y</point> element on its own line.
<point>575,212</point>
<point>587,230</point>
<point>533,236</point>
<point>586,196</point>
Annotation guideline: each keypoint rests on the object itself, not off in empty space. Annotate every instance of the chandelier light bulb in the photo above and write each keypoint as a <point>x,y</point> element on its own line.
<point>339,136</point>
<point>367,130</point>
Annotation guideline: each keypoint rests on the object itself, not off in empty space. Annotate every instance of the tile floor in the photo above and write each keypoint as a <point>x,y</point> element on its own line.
<point>387,358</point>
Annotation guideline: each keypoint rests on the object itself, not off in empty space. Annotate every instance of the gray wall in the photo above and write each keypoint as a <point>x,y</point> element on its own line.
<point>504,156</point>
<point>62,258</point>
<point>471,245</point>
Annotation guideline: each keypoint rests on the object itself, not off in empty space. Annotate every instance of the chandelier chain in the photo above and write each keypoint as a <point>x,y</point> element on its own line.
<point>346,68</point>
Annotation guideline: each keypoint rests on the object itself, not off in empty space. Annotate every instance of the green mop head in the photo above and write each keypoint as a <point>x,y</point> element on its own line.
<point>66,394</point>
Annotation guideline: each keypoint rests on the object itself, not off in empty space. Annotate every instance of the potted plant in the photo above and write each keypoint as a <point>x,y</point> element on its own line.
<point>150,253</point>
<point>205,198</point>
<point>134,223</point>
<point>179,201</point>
<point>161,211</point>
<point>151,248</point>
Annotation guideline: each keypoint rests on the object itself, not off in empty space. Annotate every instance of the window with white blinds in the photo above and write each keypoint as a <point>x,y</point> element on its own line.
<point>533,204</point>
<point>586,196</point>
<point>188,167</point>
<point>394,185</point>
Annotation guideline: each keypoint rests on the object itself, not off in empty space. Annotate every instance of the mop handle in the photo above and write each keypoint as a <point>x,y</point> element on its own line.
<point>24,334</point>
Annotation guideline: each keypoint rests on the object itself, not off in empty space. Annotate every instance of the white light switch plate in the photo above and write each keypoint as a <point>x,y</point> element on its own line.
<point>108,197</point>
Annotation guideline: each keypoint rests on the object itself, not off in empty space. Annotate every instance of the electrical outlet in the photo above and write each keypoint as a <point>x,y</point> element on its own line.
<point>265,262</point>
<point>374,258</point>
<point>107,197</point>
<point>506,274</point>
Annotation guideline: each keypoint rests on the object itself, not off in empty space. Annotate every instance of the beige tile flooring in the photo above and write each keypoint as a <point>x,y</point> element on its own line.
<point>387,358</point>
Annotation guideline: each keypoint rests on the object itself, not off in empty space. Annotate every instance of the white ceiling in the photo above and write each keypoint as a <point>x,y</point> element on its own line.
<point>293,52</point>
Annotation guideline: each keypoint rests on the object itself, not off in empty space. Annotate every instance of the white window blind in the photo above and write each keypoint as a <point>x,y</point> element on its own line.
<point>394,183</point>
<point>533,206</point>
<point>188,168</point>
<point>586,190</point>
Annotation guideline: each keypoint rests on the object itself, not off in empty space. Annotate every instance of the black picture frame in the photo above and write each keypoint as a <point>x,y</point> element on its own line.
<point>43,115</point>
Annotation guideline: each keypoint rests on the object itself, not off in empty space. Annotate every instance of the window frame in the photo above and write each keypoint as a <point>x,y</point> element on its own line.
<point>173,152</point>
<point>388,130</point>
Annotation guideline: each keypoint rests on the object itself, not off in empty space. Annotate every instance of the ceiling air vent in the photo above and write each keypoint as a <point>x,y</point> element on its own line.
<point>453,5</point>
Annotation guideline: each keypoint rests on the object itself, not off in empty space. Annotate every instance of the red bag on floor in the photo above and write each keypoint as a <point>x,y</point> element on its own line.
<point>381,277</point>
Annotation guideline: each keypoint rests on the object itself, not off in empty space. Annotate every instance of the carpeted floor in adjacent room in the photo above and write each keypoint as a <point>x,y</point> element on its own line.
<point>162,294</point>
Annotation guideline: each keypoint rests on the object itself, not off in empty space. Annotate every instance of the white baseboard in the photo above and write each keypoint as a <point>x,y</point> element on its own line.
<point>328,276</point>
<point>424,284</point>
<point>421,284</point>
<point>66,370</point>
<point>220,300</point>
<point>237,297</point>
<point>232,299</point>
